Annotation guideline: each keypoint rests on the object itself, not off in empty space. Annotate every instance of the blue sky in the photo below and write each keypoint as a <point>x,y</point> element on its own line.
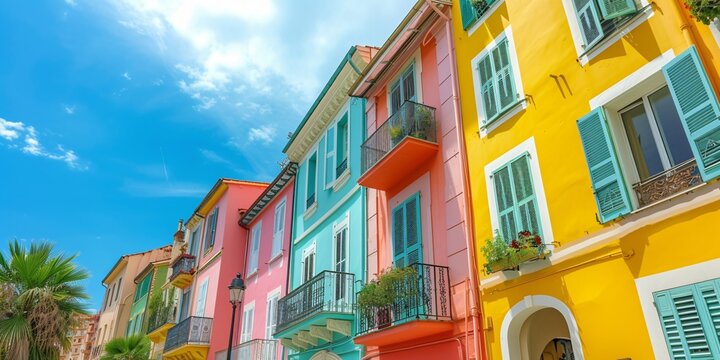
<point>117,116</point>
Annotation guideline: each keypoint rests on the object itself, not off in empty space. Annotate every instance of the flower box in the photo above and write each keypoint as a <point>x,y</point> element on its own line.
<point>509,256</point>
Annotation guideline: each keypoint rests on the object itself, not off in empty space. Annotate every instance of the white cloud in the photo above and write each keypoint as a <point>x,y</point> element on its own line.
<point>12,131</point>
<point>163,189</point>
<point>126,75</point>
<point>264,134</point>
<point>70,110</point>
<point>72,3</point>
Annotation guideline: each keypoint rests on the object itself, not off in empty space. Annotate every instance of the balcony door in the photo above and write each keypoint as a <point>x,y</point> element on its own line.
<point>342,287</point>
<point>407,232</point>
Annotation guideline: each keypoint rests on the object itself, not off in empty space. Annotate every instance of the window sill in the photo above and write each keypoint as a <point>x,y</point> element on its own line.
<point>341,180</point>
<point>310,211</point>
<point>510,112</point>
<point>481,19</point>
<point>274,258</point>
<point>251,274</point>
<point>608,40</point>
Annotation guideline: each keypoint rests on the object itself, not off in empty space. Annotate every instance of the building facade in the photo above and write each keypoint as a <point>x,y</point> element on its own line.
<point>316,317</point>
<point>592,135</point>
<point>114,313</point>
<point>418,239</point>
<point>268,221</point>
<point>148,289</point>
<point>82,339</point>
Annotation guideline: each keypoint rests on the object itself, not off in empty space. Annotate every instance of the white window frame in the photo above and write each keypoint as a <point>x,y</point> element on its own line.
<point>671,279</point>
<point>341,225</point>
<point>279,234</point>
<point>202,295</point>
<point>479,21</point>
<point>254,258</point>
<point>415,59</point>
<point>606,41</point>
<point>246,327</point>
<point>527,146</point>
<point>517,79</point>
<point>310,249</point>
<point>269,326</point>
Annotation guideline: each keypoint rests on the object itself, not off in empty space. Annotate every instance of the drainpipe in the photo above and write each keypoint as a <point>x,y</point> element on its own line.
<point>468,224</point>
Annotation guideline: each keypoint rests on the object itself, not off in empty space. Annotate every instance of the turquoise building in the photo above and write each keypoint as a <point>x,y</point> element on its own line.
<point>316,319</point>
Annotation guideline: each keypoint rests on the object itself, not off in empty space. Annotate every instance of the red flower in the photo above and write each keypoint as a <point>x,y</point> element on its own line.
<point>514,244</point>
<point>538,240</point>
<point>524,234</point>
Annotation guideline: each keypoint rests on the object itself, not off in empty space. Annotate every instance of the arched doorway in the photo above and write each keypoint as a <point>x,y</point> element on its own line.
<point>325,355</point>
<point>540,328</point>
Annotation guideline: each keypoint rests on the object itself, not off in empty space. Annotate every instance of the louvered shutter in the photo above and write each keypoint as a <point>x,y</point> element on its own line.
<point>487,87</point>
<point>330,157</point>
<point>398,236</point>
<point>413,230</point>
<point>395,98</point>
<point>611,9</point>
<point>610,193</point>
<point>408,83</point>
<point>589,21</point>
<point>505,203</point>
<point>670,325</point>
<point>690,323</point>
<point>468,13</point>
<point>527,207</point>
<point>698,108</point>
<point>709,292</point>
<point>506,92</point>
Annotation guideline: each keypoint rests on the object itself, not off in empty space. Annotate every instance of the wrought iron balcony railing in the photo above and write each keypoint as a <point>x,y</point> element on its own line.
<point>258,349</point>
<point>329,291</point>
<point>160,317</point>
<point>411,120</point>
<point>423,296</point>
<point>183,265</point>
<point>193,330</point>
<point>668,183</point>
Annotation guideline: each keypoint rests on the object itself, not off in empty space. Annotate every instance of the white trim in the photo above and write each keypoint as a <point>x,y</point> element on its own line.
<point>310,249</point>
<point>247,325</point>
<point>517,79</point>
<point>715,30</point>
<point>342,224</point>
<point>647,285</point>
<point>416,60</point>
<point>527,146</point>
<point>329,153</point>
<point>327,214</point>
<point>607,41</point>
<point>484,17</point>
<point>275,293</point>
<point>516,316</point>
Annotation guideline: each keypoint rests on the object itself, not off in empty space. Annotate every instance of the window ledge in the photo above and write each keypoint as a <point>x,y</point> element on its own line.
<point>310,211</point>
<point>275,257</point>
<point>251,274</point>
<point>341,180</point>
<point>510,112</point>
<point>481,19</point>
<point>608,40</point>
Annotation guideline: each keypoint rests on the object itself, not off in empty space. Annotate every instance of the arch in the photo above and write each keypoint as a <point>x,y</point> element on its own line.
<point>515,318</point>
<point>325,355</point>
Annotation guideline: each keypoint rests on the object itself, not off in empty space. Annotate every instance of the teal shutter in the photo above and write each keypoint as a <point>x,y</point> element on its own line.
<point>526,207</point>
<point>589,22</point>
<point>506,93</point>
<point>610,193</point>
<point>505,203</point>
<point>487,87</point>
<point>611,9</point>
<point>467,12</point>
<point>698,108</point>
<point>709,292</point>
<point>673,337</point>
<point>407,232</point>
<point>398,235</point>
<point>408,81</point>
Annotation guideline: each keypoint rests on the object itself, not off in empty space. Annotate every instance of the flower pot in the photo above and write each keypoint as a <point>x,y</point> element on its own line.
<point>523,255</point>
<point>383,317</point>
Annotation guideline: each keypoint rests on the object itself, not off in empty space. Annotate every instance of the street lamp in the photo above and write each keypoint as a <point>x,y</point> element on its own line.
<point>237,290</point>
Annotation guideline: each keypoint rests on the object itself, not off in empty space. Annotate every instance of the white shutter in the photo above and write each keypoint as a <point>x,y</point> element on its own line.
<point>271,316</point>
<point>279,228</point>
<point>200,301</point>
<point>247,323</point>
<point>254,248</point>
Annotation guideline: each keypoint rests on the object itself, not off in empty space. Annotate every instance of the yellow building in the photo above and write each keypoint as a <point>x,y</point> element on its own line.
<point>556,90</point>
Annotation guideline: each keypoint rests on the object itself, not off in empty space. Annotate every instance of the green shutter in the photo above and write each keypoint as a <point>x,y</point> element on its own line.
<point>526,206</point>
<point>709,293</point>
<point>698,108</point>
<point>588,21</point>
<point>398,235</point>
<point>413,230</point>
<point>505,84</point>
<point>669,322</point>
<point>467,12</point>
<point>610,193</point>
<point>214,226</point>
<point>505,203</point>
<point>487,87</point>
<point>611,9</point>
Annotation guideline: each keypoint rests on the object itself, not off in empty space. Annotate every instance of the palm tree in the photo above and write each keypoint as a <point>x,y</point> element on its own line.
<point>39,300</point>
<point>135,347</point>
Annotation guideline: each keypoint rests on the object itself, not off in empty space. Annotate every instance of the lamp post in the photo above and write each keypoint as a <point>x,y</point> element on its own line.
<point>237,290</point>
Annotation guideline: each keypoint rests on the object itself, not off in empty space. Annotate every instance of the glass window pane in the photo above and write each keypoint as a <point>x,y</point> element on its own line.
<point>642,142</point>
<point>671,130</point>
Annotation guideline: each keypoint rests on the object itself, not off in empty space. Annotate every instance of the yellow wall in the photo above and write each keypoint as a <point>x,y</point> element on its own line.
<point>601,293</point>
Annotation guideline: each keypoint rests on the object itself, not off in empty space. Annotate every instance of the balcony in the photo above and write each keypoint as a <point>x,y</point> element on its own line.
<point>668,183</point>
<point>407,140</point>
<point>258,349</point>
<point>182,271</point>
<point>317,312</point>
<point>422,307</point>
<point>188,340</point>
<point>159,323</point>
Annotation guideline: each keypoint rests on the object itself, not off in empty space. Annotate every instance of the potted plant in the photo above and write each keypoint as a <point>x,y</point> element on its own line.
<point>501,255</point>
<point>705,11</point>
<point>423,122</point>
<point>480,6</point>
<point>396,133</point>
<point>376,298</point>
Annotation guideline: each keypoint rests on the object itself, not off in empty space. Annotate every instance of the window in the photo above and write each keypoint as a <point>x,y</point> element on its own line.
<point>330,157</point>
<point>185,305</point>
<point>342,146</point>
<point>495,90</point>
<point>311,184</point>
<point>201,296</point>
<point>117,288</point>
<point>690,319</point>
<point>210,226</point>
<point>407,232</point>
<point>517,208</point>
<point>247,322</point>
<point>254,248</point>
<point>403,89</point>
<point>143,287</point>
<point>652,132</point>
<point>340,260</point>
<point>308,263</point>
<point>472,10</point>
<point>596,18</point>
<point>271,315</point>
<point>278,228</point>
<point>194,241</point>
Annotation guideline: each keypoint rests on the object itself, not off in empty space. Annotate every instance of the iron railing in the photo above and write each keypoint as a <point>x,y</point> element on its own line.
<point>412,119</point>
<point>329,291</point>
<point>193,330</point>
<point>184,265</point>
<point>159,317</point>
<point>667,183</point>
<point>422,295</point>
<point>258,349</point>
<point>341,168</point>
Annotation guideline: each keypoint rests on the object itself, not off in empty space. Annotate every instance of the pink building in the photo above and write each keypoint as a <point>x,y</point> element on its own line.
<point>417,195</point>
<point>215,243</point>
<point>268,224</point>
